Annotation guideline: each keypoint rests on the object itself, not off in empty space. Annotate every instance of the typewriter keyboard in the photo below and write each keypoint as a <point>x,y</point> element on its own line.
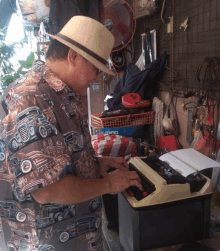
<point>146,183</point>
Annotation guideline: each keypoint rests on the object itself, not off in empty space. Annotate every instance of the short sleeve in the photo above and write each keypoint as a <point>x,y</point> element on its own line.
<point>34,148</point>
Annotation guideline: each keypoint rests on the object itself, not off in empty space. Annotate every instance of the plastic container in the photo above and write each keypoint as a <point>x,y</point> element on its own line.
<point>122,121</point>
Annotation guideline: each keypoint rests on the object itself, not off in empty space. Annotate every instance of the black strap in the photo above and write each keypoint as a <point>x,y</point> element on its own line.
<point>91,53</point>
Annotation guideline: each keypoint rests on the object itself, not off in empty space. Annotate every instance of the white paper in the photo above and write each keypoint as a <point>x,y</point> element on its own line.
<point>188,161</point>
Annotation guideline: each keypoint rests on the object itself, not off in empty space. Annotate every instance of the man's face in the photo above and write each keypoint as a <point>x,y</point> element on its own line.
<point>87,74</point>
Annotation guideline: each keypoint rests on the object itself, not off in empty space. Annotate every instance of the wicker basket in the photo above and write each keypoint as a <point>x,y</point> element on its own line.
<point>122,121</point>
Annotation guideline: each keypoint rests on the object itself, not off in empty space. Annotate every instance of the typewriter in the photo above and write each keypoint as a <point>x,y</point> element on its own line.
<point>175,205</point>
<point>162,183</point>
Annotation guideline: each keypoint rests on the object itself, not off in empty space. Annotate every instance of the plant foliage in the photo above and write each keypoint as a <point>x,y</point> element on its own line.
<point>8,74</point>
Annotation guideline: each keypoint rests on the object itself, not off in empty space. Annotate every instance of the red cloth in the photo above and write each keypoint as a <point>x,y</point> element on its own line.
<point>111,145</point>
<point>168,142</point>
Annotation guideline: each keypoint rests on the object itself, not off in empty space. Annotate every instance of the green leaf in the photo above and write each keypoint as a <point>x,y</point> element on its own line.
<point>21,62</point>
<point>20,69</point>
<point>6,83</point>
<point>4,63</point>
<point>7,77</point>
<point>16,75</point>
<point>29,61</point>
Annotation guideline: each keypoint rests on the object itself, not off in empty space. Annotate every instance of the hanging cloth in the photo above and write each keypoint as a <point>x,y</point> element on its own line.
<point>157,107</point>
<point>61,11</point>
<point>133,80</point>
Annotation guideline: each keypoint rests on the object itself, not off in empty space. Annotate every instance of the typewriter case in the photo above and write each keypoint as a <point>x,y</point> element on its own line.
<point>163,224</point>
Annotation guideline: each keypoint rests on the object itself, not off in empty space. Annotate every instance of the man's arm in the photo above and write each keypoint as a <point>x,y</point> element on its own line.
<point>71,189</point>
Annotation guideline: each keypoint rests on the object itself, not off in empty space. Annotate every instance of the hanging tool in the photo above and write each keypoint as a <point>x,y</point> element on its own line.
<point>185,24</point>
<point>189,136</point>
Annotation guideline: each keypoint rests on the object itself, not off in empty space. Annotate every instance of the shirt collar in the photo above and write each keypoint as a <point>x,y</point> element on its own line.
<point>53,81</point>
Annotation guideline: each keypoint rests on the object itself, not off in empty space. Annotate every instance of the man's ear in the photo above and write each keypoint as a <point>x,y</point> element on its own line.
<point>72,56</point>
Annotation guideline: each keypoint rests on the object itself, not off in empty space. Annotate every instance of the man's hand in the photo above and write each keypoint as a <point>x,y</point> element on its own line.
<point>120,180</point>
<point>86,189</point>
<point>106,163</point>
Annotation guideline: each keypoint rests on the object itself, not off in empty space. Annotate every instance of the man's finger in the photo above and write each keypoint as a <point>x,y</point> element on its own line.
<point>120,166</point>
<point>133,175</point>
<point>137,184</point>
<point>121,162</point>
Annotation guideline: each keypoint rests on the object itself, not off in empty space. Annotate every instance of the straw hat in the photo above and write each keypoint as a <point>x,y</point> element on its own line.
<point>89,38</point>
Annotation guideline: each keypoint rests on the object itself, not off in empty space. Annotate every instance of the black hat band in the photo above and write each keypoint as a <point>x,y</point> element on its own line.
<point>91,53</point>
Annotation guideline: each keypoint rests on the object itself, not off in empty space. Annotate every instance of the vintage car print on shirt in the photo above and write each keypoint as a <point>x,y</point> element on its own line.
<point>21,240</point>
<point>11,100</point>
<point>67,105</point>
<point>18,195</point>
<point>94,205</point>
<point>45,248</point>
<point>20,167</point>
<point>81,226</point>
<point>41,167</point>
<point>38,159</point>
<point>10,211</point>
<point>31,125</point>
<point>95,244</point>
<point>2,150</point>
<point>53,148</point>
<point>74,141</point>
<point>53,213</point>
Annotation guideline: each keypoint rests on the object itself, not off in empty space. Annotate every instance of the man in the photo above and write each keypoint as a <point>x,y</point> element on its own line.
<point>50,179</point>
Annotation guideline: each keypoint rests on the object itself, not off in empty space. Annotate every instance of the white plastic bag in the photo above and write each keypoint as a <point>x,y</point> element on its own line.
<point>170,118</point>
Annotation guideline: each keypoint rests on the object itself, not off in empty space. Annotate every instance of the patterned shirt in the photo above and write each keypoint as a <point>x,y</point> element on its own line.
<point>43,137</point>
